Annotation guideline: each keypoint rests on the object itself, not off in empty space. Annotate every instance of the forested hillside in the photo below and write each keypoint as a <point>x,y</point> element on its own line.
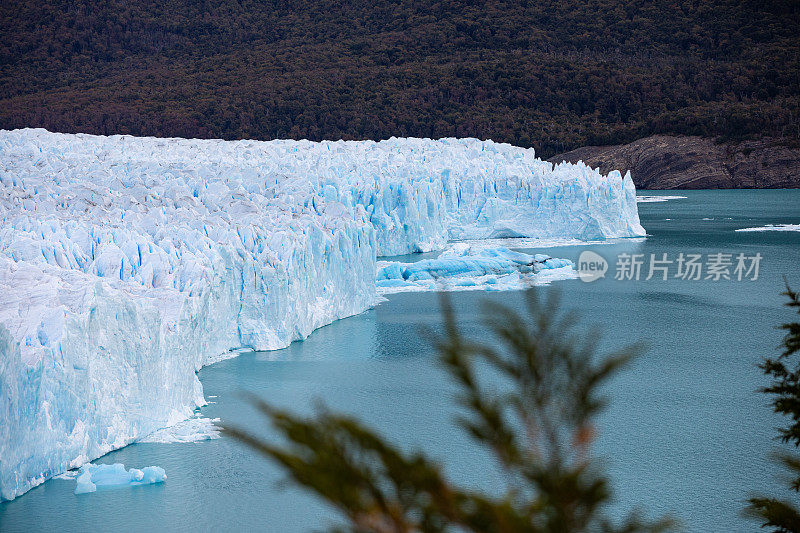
<point>554,74</point>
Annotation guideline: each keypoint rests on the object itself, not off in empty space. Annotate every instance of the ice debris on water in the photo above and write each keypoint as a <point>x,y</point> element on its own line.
<point>658,198</point>
<point>191,430</point>
<point>773,227</point>
<point>462,267</point>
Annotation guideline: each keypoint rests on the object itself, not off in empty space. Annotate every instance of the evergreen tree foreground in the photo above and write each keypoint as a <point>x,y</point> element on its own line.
<point>779,515</point>
<point>539,427</point>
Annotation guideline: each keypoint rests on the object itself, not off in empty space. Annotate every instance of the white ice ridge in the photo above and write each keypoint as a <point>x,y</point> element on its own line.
<point>774,227</point>
<point>653,199</point>
<point>126,264</point>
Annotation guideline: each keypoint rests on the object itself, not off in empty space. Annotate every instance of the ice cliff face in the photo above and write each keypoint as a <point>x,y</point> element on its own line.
<point>126,264</point>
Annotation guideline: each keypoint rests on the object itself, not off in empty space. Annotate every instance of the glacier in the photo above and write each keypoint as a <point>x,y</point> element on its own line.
<point>127,264</point>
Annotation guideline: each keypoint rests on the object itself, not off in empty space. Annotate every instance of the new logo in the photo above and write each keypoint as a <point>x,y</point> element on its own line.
<point>591,266</point>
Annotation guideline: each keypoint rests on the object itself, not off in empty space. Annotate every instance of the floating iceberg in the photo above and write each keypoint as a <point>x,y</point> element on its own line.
<point>773,227</point>
<point>655,198</point>
<point>462,267</point>
<point>127,264</point>
<point>107,476</point>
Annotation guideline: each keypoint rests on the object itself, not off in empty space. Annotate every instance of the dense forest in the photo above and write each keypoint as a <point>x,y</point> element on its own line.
<point>553,74</point>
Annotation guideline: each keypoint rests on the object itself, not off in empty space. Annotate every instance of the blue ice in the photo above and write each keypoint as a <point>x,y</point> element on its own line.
<point>115,476</point>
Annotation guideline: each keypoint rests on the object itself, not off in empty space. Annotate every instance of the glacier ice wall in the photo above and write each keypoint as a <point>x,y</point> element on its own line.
<point>126,264</point>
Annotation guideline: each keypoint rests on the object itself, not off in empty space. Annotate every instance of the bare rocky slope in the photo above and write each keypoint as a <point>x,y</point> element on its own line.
<point>687,162</point>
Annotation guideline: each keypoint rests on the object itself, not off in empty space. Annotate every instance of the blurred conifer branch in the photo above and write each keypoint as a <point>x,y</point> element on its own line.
<point>536,417</point>
<point>783,516</point>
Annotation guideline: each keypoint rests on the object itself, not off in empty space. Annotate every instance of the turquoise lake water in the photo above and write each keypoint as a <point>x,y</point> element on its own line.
<point>686,433</point>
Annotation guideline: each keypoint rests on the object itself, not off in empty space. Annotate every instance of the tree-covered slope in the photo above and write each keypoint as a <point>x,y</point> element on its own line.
<point>552,74</point>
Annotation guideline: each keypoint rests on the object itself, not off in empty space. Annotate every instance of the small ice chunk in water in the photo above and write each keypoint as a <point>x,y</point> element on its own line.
<point>93,476</point>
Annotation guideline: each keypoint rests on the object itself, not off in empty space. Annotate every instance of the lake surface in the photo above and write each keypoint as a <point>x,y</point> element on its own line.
<point>685,434</point>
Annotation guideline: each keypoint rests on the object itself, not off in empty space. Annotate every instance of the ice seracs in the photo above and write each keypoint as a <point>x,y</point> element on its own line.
<point>126,264</point>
